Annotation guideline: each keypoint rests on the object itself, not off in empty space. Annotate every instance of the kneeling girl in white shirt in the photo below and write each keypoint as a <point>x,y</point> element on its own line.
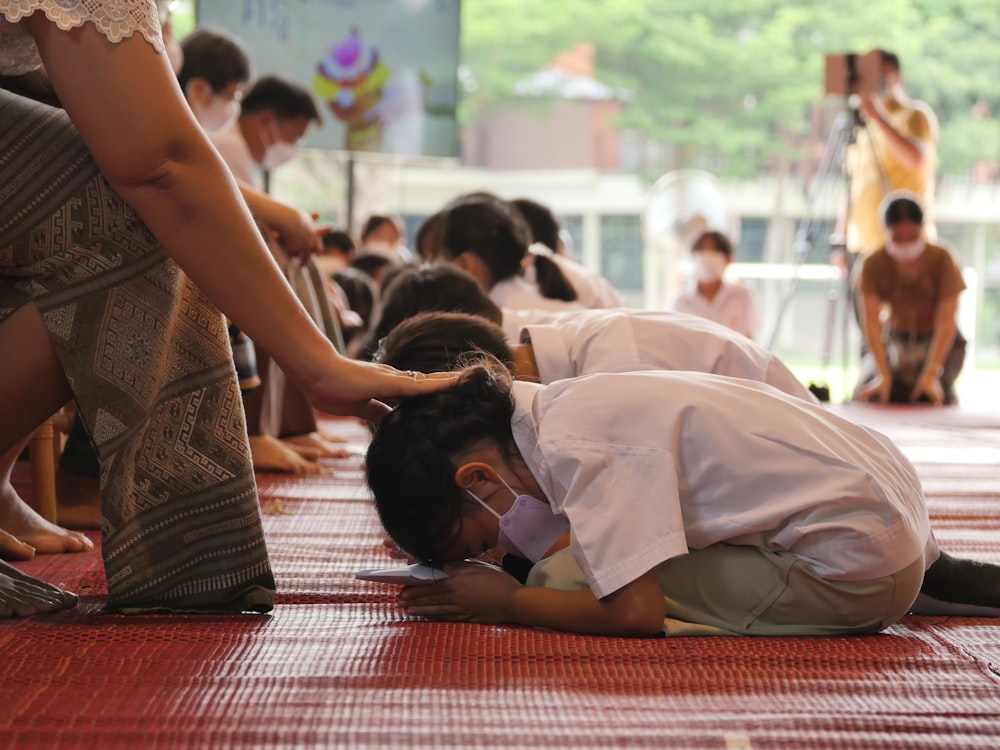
<point>691,501</point>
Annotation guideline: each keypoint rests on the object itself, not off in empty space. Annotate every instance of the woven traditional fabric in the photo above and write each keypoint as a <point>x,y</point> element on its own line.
<point>149,362</point>
<point>338,665</point>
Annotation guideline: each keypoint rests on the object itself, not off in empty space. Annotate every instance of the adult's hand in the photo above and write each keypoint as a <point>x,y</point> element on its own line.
<point>351,388</point>
<point>929,385</point>
<point>297,231</point>
<point>877,389</point>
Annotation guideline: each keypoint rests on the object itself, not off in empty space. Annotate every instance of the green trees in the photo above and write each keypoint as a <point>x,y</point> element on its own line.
<point>733,84</point>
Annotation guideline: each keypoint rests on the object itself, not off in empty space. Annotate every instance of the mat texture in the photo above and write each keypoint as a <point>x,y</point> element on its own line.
<point>338,665</point>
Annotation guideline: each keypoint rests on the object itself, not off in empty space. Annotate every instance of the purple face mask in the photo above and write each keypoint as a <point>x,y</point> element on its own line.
<point>529,528</point>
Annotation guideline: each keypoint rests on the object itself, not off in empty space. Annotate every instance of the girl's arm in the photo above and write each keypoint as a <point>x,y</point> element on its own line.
<point>871,326</point>
<point>129,110</point>
<point>929,383</point>
<point>479,593</point>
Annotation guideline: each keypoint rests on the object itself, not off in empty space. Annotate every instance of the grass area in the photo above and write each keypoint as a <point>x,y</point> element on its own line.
<point>976,385</point>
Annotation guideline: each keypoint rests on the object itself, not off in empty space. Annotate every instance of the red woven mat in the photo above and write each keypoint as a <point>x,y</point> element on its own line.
<point>337,665</point>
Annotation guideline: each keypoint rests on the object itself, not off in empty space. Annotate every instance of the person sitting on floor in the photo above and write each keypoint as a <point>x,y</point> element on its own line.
<point>919,352</point>
<point>586,342</point>
<point>819,527</point>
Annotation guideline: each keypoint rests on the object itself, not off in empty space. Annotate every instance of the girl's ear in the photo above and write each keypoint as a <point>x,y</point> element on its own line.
<point>198,90</point>
<point>473,265</point>
<point>478,477</point>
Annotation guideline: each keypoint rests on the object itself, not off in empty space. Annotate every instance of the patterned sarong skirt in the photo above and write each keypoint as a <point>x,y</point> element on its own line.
<point>150,366</point>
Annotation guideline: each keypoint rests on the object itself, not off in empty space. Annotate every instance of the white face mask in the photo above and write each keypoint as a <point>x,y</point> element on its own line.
<point>709,265</point>
<point>529,528</point>
<point>906,252</point>
<point>380,247</point>
<point>278,153</point>
<point>218,115</point>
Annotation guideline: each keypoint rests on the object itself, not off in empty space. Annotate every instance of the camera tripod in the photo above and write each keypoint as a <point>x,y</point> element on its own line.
<point>843,134</point>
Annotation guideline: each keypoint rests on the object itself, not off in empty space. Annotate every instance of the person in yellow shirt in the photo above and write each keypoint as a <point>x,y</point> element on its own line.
<point>895,150</point>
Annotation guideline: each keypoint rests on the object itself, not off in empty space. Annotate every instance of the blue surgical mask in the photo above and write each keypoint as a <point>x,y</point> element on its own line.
<point>529,528</point>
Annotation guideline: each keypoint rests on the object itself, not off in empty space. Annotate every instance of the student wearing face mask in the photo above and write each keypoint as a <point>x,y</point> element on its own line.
<point>710,296</point>
<point>917,354</point>
<point>274,116</point>
<point>820,527</point>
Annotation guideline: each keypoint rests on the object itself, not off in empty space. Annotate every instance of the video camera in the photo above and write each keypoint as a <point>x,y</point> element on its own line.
<point>851,74</point>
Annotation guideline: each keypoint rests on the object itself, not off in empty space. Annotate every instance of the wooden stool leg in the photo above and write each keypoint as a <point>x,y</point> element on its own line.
<point>43,472</point>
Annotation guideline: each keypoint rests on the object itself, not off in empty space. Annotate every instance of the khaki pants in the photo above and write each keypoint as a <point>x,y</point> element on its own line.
<point>731,590</point>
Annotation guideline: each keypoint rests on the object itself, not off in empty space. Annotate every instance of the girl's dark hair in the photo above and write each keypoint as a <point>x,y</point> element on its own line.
<point>721,242</point>
<point>437,288</point>
<point>903,209</point>
<point>430,236</point>
<point>495,231</point>
<point>552,282</point>
<point>542,222</point>
<point>489,228</point>
<point>370,263</point>
<point>360,291</point>
<point>438,341</point>
<point>375,221</point>
<point>416,449</point>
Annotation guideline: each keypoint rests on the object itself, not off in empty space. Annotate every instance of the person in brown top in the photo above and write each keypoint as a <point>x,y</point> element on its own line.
<point>918,352</point>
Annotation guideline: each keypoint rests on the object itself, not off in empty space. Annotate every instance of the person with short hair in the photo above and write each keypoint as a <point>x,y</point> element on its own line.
<point>274,116</point>
<point>215,66</point>
<point>711,296</point>
<point>919,352</point>
<point>382,234</point>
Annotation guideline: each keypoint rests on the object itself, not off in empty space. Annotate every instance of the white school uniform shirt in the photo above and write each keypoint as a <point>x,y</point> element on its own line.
<point>582,343</point>
<point>513,321</point>
<point>734,306</point>
<point>647,465</point>
<point>516,293</point>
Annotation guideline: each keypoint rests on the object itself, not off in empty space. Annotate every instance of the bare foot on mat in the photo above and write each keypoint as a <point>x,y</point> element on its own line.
<point>271,454</point>
<point>324,447</point>
<point>21,521</point>
<point>22,595</point>
<point>12,548</point>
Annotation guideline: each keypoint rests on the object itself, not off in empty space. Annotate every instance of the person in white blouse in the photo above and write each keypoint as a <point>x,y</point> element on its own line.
<point>103,313</point>
<point>690,502</point>
<point>573,344</point>
<point>710,296</point>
